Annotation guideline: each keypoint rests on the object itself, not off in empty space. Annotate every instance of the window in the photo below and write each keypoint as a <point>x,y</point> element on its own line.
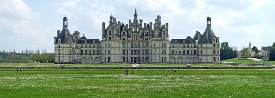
<point>163,59</point>
<point>195,52</point>
<point>164,51</point>
<point>109,59</point>
<point>123,59</point>
<point>123,52</point>
<point>187,51</point>
<point>98,52</point>
<point>172,51</point>
<point>146,52</point>
<point>214,51</point>
<point>109,52</point>
<point>138,52</point>
<point>164,44</point>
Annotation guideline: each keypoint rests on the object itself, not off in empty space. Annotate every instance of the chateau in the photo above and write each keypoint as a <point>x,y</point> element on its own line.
<point>136,42</point>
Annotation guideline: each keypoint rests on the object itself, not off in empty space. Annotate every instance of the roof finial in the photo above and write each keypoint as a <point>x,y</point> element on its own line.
<point>208,21</point>
<point>135,11</point>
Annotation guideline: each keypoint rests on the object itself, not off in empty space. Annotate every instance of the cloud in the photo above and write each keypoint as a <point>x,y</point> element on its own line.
<point>19,28</point>
<point>231,20</point>
<point>238,22</point>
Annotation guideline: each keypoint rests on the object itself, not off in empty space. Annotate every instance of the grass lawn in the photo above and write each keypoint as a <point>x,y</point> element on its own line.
<point>142,84</point>
<point>271,62</point>
<point>249,61</point>
<point>97,65</point>
<point>241,61</point>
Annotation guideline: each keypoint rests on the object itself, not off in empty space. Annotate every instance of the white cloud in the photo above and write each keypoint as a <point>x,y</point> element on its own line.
<point>230,19</point>
<point>237,22</point>
<point>19,28</point>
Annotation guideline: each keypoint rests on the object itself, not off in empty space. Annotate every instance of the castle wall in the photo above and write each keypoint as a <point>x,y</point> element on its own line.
<point>136,42</point>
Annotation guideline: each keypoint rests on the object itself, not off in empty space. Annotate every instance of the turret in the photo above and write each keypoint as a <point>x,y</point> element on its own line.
<point>103,30</point>
<point>111,19</point>
<point>208,21</point>
<point>159,20</point>
<point>65,23</point>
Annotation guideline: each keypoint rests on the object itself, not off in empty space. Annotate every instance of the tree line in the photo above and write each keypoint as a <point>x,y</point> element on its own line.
<point>13,57</point>
<point>227,52</point>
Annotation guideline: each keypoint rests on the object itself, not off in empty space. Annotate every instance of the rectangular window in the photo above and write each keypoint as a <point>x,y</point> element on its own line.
<point>98,52</point>
<point>109,52</point>
<point>109,59</point>
<point>123,59</point>
<point>124,45</point>
<point>123,52</point>
<point>172,51</point>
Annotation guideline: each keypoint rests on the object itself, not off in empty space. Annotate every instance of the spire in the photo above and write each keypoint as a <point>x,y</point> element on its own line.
<point>135,15</point>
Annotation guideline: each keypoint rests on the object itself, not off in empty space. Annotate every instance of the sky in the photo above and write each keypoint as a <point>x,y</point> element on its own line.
<point>32,24</point>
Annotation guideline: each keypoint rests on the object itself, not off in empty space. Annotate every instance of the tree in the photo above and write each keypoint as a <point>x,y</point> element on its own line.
<point>227,52</point>
<point>246,53</point>
<point>255,49</point>
<point>272,52</point>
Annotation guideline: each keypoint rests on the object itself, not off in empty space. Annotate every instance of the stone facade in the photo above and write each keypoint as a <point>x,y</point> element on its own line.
<point>136,42</point>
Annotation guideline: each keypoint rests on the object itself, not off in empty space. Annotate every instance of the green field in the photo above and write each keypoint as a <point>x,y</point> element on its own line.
<point>141,84</point>
<point>248,61</point>
<point>98,65</point>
